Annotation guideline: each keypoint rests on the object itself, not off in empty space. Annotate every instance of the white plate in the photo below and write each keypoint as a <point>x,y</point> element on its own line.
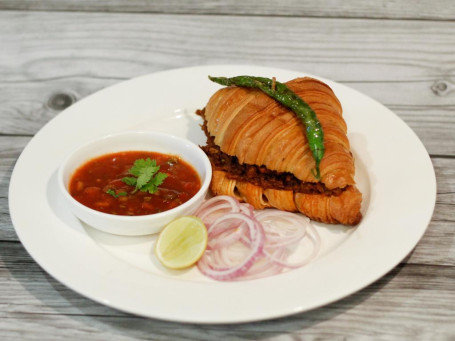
<point>394,172</point>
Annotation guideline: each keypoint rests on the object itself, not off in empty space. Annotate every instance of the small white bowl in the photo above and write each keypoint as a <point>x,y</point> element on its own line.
<point>140,141</point>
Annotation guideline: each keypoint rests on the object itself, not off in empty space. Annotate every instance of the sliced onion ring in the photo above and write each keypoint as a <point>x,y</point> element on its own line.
<point>256,238</point>
<point>244,244</point>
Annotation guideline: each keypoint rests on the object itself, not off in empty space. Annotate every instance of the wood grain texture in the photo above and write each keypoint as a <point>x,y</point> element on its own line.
<point>438,244</point>
<point>90,51</point>
<point>49,59</point>
<point>406,9</point>
<point>406,303</point>
<point>10,149</point>
<point>118,45</point>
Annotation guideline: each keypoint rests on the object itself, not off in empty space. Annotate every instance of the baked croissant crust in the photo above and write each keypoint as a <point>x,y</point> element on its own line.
<point>260,154</point>
<point>331,209</point>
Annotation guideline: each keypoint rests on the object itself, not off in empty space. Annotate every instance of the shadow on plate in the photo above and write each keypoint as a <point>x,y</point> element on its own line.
<point>58,205</point>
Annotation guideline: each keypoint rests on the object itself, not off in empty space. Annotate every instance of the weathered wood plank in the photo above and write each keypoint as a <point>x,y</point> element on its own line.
<point>92,51</point>
<point>438,244</point>
<point>27,106</point>
<point>126,45</point>
<point>407,65</point>
<point>437,9</point>
<point>42,308</point>
<point>10,149</point>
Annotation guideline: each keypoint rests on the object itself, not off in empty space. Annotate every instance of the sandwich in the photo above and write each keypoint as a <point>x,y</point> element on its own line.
<point>260,152</point>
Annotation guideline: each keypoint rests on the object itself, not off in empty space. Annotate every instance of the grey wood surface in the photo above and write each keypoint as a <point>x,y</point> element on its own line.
<point>404,9</point>
<point>53,53</point>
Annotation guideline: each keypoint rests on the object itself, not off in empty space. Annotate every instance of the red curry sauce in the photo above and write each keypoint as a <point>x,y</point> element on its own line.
<point>90,183</point>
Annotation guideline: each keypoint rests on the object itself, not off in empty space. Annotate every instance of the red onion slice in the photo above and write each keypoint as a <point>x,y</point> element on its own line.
<point>225,238</point>
<point>256,237</point>
<point>244,244</point>
<point>222,201</point>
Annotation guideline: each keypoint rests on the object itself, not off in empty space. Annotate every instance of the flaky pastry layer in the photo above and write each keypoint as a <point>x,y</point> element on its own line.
<point>342,209</point>
<point>255,128</point>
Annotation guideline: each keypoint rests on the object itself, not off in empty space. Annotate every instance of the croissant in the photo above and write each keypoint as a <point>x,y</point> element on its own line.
<point>260,154</point>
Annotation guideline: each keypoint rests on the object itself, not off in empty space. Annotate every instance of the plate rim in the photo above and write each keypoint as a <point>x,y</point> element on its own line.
<point>295,309</point>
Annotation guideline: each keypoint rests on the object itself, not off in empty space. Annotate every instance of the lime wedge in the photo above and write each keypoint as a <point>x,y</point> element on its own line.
<point>181,243</point>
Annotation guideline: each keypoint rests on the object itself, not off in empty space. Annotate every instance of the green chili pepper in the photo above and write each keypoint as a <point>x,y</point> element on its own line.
<point>289,99</point>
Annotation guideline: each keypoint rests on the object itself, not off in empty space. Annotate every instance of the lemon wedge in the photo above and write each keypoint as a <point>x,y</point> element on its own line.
<point>181,243</point>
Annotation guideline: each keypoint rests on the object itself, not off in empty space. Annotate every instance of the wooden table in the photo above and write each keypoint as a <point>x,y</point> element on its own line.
<point>53,53</point>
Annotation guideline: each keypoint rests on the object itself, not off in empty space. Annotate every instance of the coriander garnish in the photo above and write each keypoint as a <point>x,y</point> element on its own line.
<point>115,194</point>
<point>146,177</point>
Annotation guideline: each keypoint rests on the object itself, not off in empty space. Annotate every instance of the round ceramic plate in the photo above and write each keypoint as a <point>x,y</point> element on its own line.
<point>121,272</point>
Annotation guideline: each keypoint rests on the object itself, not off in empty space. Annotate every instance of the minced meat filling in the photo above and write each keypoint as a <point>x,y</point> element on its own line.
<point>258,175</point>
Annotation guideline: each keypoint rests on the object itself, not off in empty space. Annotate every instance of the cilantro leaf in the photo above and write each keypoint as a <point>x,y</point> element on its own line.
<point>159,178</point>
<point>146,177</point>
<point>129,180</point>
<point>140,166</point>
<point>152,185</point>
<point>149,187</point>
<point>110,191</point>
